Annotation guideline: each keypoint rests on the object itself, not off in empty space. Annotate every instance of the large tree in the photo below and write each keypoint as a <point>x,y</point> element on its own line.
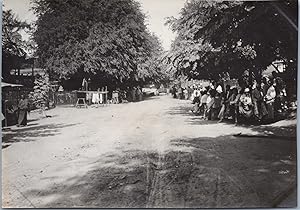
<point>13,46</point>
<point>93,37</point>
<point>215,37</point>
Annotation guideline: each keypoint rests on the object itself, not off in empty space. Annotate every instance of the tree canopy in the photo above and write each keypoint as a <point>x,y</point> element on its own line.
<point>217,37</point>
<point>13,47</point>
<point>107,38</point>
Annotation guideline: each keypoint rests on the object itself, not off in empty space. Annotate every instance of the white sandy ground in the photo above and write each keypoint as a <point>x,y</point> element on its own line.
<point>57,151</point>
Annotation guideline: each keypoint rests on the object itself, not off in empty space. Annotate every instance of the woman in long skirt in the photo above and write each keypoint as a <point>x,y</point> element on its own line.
<point>23,109</point>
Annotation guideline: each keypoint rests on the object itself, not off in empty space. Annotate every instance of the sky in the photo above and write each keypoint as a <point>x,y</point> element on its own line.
<point>156,11</point>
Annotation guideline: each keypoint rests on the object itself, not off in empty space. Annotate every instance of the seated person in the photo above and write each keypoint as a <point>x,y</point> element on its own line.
<point>210,104</point>
<point>245,104</point>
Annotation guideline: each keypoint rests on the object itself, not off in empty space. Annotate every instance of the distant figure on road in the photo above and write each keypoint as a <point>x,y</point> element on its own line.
<point>133,94</point>
<point>23,109</point>
<point>84,84</point>
<point>186,94</point>
<point>139,94</point>
<point>174,91</point>
<point>190,92</point>
<point>179,92</point>
<point>196,101</point>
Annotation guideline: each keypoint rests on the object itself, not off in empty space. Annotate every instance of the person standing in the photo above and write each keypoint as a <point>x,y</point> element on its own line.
<point>133,94</point>
<point>185,93</point>
<point>180,92</point>
<point>23,107</point>
<point>84,84</point>
<point>259,109</point>
<point>190,92</point>
<point>174,91</point>
<point>203,103</point>
<point>264,85</point>
<point>210,101</point>
<point>139,93</point>
<point>196,101</point>
<point>232,103</point>
<point>270,100</point>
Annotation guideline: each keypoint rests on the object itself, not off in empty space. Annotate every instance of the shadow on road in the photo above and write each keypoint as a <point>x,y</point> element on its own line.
<point>30,132</point>
<point>278,132</point>
<point>180,110</point>
<point>191,118</point>
<point>150,97</point>
<point>284,132</point>
<point>198,172</point>
<point>224,171</point>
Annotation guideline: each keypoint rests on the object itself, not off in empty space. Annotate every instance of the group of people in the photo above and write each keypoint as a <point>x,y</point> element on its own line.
<point>261,102</point>
<point>183,92</point>
<point>16,114</point>
<point>130,94</point>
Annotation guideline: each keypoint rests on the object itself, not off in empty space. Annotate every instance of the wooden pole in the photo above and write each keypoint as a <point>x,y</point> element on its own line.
<point>32,71</point>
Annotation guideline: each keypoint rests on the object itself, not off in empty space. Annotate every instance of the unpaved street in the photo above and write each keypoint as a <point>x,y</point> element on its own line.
<point>152,153</point>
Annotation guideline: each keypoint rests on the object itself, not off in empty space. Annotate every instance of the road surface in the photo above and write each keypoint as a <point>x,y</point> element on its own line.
<point>152,153</point>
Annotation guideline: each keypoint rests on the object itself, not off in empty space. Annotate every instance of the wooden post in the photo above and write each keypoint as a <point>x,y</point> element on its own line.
<point>106,95</point>
<point>32,71</point>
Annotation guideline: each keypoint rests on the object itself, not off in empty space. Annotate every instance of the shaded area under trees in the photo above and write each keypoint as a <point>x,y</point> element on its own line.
<point>220,37</point>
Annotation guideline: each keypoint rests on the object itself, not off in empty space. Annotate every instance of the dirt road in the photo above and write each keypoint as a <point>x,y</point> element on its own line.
<point>152,153</point>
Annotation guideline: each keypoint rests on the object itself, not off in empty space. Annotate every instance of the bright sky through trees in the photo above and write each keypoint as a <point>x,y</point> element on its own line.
<point>156,11</point>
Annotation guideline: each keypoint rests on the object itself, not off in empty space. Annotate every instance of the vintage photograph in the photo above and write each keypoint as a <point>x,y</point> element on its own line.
<point>149,103</point>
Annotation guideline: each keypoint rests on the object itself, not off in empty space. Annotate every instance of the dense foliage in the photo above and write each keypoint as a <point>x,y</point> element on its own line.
<point>220,37</point>
<point>95,37</point>
<point>13,47</point>
<point>39,97</point>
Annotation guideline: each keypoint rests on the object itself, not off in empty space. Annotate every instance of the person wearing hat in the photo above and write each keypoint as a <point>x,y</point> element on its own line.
<point>245,105</point>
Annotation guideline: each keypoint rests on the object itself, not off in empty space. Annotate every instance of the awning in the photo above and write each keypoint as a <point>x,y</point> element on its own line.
<point>4,84</point>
